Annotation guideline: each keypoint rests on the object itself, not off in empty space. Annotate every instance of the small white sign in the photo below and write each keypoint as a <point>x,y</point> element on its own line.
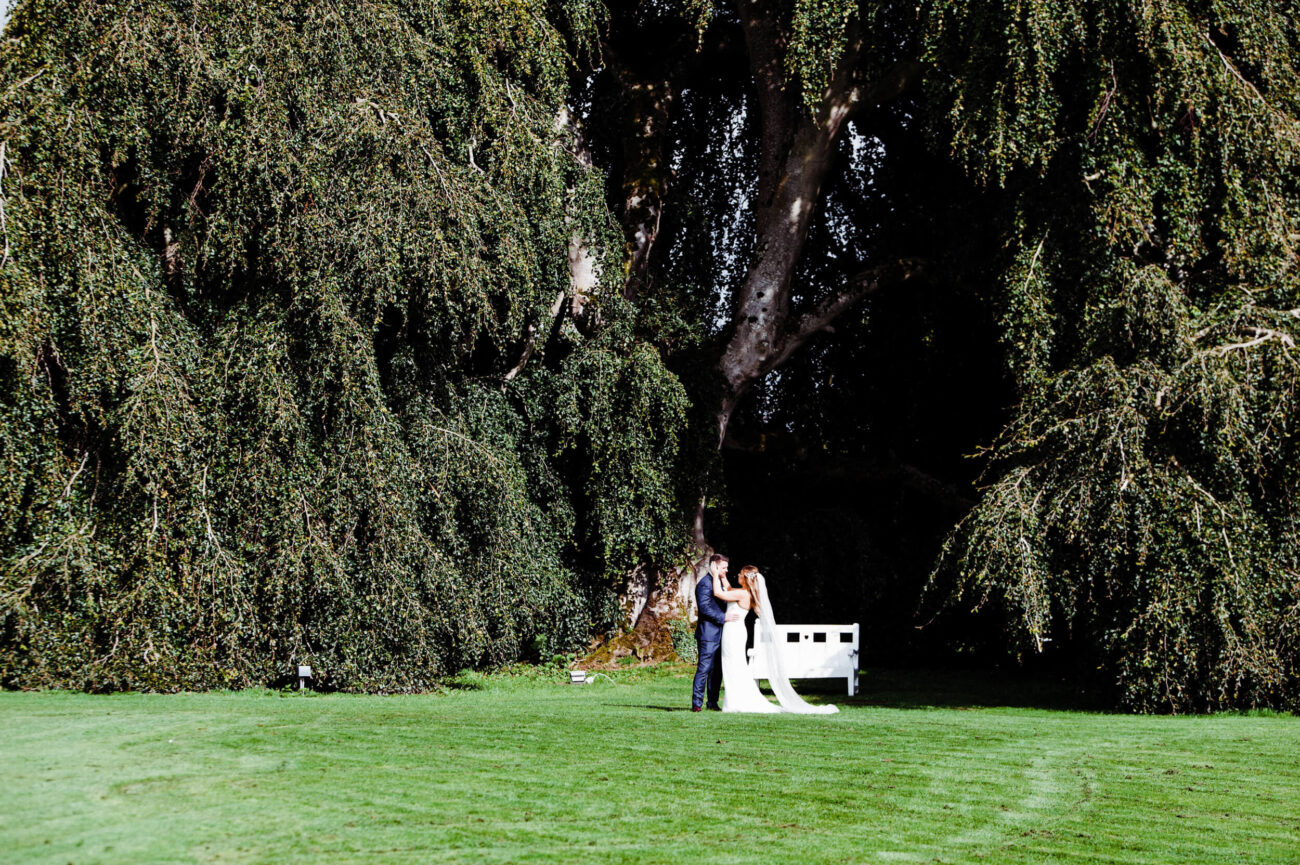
<point>304,672</point>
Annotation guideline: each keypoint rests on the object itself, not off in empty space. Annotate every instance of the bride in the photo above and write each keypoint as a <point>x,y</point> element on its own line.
<point>740,689</point>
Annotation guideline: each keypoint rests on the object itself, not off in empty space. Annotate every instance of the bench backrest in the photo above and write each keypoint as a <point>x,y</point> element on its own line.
<point>811,651</point>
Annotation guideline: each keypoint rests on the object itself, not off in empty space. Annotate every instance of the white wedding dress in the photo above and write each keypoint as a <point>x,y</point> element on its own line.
<point>740,691</point>
<point>740,688</point>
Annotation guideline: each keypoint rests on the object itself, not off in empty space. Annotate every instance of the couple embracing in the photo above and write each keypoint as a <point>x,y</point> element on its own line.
<point>721,638</point>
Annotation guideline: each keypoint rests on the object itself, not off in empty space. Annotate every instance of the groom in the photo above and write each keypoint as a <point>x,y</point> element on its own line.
<point>708,634</point>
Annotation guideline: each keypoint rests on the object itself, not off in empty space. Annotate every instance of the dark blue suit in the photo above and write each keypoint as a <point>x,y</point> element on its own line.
<point>708,637</point>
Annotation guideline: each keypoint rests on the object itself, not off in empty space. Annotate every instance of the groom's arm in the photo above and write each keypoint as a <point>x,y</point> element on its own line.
<point>708,605</point>
<point>709,608</point>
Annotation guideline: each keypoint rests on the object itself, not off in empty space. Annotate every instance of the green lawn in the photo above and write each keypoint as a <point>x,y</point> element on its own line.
<point>930,768</point>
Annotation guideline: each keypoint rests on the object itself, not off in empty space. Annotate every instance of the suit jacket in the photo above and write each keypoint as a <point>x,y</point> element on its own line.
<point>712,613</point>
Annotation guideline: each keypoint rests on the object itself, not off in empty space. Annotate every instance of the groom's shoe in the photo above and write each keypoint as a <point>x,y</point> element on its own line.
<point>714,708</point>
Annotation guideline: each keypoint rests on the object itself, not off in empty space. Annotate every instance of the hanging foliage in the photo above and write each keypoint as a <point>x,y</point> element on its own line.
<point>1143,504</point>
<point>311,347</point>
<point>272,272</point>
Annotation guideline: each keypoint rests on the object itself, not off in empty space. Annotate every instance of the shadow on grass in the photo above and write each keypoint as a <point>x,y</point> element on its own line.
<point>940,689</point>
<point>969,689</point>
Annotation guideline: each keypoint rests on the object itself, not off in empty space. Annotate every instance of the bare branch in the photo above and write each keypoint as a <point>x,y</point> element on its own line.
<point>530,338</point>
<point>1227,64</point>
<point>1262,335</point>
<point>765,44</point>
<point>858,287</point>
<point>4,225</point>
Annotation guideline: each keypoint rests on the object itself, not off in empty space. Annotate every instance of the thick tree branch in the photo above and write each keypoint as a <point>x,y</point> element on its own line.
<point>530,336</point>
<point>829,308</point>
<point>765,41</point>
<point>647,114</point>
<point>781,224</point>
<point>761,336</point>
<point>798,149</point>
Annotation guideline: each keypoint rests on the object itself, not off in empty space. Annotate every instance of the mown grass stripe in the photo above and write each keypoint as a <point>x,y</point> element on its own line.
<point>528,770</point>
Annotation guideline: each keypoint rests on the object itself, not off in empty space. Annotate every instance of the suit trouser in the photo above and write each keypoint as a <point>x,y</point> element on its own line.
<point>708,672</point>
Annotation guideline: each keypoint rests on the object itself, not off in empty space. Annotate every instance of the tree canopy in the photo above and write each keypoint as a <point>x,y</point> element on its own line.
<point>393,338</point>
<point>269,270</point>
<point>1142,500</point>
<point>1069,231</point>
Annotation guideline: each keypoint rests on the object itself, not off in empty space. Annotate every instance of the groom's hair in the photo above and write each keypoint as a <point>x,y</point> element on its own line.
<point>718,558</point>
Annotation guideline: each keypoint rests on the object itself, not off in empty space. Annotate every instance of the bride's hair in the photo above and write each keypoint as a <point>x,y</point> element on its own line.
<point>749,584</point>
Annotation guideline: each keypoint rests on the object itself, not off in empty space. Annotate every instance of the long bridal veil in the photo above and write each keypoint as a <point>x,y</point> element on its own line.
<point>790,700</point>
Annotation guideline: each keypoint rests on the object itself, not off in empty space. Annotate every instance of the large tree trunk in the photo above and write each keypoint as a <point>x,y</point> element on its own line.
<point>797,149</point>
<point>651,599</point>
<point>645,174</point>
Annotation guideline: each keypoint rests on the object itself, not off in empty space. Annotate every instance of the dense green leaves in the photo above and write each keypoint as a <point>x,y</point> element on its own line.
<point>272,271</point>
<point>270,265</point>
<point>819,34</point>
<point>1144,502</point>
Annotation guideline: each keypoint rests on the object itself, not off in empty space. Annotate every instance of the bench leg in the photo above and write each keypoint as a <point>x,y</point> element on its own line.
<point>853,685</point>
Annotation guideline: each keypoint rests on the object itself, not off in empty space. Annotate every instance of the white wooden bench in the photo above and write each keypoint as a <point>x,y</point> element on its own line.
<point>812,652</point>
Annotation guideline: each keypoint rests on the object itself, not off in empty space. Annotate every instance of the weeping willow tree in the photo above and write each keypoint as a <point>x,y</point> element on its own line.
<point>1113,185</point>
<point>321,341</point>
<point>292,355</point>
<point>1143,503</point>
